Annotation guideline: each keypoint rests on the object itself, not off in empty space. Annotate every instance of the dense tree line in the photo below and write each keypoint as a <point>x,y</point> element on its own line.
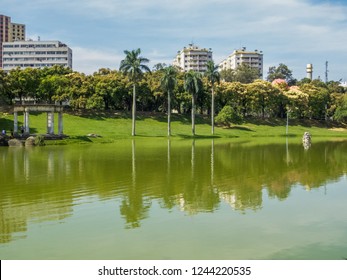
<point>109,89</point>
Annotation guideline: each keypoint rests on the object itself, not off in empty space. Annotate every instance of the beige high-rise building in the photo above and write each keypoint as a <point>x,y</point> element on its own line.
<point>10,32</point>
<point>241,56</point>
<point>17,32</point>
<point>193,58</point>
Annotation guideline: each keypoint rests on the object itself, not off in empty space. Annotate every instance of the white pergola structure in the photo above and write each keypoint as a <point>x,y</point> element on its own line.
<point>49,109</point>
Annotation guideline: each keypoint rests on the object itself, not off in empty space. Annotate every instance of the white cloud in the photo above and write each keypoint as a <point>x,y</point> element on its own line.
<point>294,31</point>
<point>89,61</point>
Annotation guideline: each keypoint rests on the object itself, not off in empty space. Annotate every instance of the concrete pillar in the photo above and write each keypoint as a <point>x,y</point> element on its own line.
<point>15,122</point>
<point>50,123</point>
<point>60,123</point>
<point>26,121</point>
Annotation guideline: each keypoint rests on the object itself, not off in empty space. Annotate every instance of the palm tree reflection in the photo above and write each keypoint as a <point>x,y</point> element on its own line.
<point>134,207</point>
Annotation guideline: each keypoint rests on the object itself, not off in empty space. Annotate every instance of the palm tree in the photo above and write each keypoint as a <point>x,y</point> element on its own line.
<point>168,83</point>
<point>133,66</point>
<point>213,77</point>
<point>192,84</point>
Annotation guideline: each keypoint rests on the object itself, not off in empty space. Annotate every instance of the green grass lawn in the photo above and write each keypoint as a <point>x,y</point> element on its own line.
<point>113,126</point>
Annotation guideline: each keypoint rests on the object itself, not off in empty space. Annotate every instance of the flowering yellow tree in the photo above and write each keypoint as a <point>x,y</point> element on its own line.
<point>264,98</point>
<point>297,102</point>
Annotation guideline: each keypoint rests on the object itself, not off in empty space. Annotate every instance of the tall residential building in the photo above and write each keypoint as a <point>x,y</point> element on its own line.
<point>5,26</point>
<point>10,32</point>
<point>193,58</point>
<point>35,54</point>
<point>242,56</point>
<point>17,32</point>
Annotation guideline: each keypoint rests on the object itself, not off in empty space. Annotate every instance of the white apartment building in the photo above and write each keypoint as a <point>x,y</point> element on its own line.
<point>242,56</point>
<point>35,54</point>
<point>193,58</point>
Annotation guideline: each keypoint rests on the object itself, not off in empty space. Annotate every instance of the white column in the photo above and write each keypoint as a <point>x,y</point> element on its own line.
<point>60,123</point>
<point>50,123</point>
<point>15,122</point>
<point>26,121</point>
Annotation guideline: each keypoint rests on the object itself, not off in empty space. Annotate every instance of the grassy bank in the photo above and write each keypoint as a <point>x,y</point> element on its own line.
<point>113,126</point>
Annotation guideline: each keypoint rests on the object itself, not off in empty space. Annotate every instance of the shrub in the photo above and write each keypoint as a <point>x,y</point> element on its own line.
<point>39,140</point>
<point>227,116</point>
<point>341,110</point>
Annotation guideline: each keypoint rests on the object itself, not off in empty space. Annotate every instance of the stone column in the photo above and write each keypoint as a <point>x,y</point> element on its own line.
<point>50,123</point>
<point>26,121</point>
<point>15,122</point>
<point>60,123</point>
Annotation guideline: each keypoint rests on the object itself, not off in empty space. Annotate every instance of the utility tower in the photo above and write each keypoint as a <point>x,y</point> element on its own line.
<point>326,71</point>
<point>309,70</point>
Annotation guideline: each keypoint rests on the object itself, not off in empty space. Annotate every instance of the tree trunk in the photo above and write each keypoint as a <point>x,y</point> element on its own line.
<point>106,103</point>
<point>212,112</point>
<point>193,114</point>
<point>168,114</point>
<point>134,111</point>
<point>263,107</point>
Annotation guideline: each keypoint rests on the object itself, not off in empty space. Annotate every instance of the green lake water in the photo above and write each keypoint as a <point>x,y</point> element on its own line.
<point>181,199</point>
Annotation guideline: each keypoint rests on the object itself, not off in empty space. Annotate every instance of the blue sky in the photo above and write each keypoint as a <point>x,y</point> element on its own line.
<point>293,32</point>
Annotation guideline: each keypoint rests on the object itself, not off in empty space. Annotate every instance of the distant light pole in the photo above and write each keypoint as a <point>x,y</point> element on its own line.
<point>287,126</point>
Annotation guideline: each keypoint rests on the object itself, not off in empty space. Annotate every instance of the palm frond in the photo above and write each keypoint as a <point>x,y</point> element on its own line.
<point>133,65</point>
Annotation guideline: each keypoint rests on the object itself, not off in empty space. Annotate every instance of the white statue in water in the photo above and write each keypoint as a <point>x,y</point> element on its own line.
<point>306,140</point>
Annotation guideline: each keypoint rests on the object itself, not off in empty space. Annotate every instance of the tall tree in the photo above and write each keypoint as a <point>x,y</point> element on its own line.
<point>6,95</point>
<point>318,100</point>
<point>341,109</point>
<point>281,72</point>
<point>159,66</point>
<point>54,88</point>
<point>227,75</point>
<point>168,83</point>
<point>24,83</point>
<point>80,90</point>
<point>133,66</point>
<point>246,74</point>
<point>193,84</point>
<point>213,77</point>
<point>264,98</point>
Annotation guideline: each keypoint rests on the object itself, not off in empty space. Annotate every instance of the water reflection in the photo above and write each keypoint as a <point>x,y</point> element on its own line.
<point>22,199</point>
<point>212,163</point>
<point>134,206</point>
<point>45,184</point>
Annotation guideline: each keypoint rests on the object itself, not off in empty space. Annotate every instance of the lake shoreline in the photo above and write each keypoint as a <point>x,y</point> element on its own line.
<point>92,127</point>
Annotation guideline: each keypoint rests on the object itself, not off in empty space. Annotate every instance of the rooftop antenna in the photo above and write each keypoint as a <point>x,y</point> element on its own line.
<point>326,71</point>
<point>192,43</point>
